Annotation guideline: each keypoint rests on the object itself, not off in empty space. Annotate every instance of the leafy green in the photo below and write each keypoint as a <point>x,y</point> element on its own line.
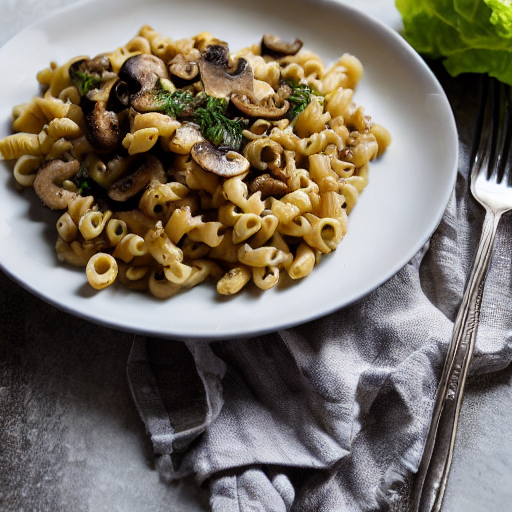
<point>299,98</point>
<point>173,103</point>
<point>84,81</point>
<point>206,111</point>
<point>471,36</point>
<point>217,127</point>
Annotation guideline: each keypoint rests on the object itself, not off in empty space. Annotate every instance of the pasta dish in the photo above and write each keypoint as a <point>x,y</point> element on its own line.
<point>174,161</point>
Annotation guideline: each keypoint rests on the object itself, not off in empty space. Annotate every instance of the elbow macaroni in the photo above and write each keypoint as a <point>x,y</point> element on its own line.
<point>195,224</point>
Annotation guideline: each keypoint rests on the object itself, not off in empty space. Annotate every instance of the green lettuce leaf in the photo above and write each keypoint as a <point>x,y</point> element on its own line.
<point>471,36</point>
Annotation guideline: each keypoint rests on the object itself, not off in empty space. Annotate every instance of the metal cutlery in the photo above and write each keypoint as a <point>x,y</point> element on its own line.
<point>491,185</point>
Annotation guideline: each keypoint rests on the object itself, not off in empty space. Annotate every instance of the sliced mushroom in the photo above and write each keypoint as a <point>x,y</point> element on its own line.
<point>218,79</point>
<point>103,131</point>
<point>268,186</point>
<point>102,126</point>
<point>48,181</point>
<point>276,47</point>
<point>101,108</point>
<point>98,64</point>
<point>147,170</point>
<point>96,67</point>
<point>272,106</point>
<point>89,75</point>
<point>141,73</point>
<point>222,163</point>
<point>81,64</point>
<point>119,97</point>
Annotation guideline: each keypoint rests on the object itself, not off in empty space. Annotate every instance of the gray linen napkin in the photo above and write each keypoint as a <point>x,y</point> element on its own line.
<point>331,415</point>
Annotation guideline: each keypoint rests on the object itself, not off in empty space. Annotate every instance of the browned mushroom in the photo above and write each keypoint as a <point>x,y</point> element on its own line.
<point>276,47</point>
<point>103,130</point>
<point>90,72</point>
<point>99,64</point>
<point>218,79</point>
<point>268,186</point>
<point>222,163</point>
<point>146,170</point>
<point>272,106</point>
<point>49,179</point>
<point>141,73</point>
<point>119,98</point>
<point>81,65</point>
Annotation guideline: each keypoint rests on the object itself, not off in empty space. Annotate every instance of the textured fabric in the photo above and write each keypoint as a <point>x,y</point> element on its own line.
<point>331,415</point>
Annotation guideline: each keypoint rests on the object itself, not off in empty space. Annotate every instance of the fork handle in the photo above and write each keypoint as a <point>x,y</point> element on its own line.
<point>435,465</point>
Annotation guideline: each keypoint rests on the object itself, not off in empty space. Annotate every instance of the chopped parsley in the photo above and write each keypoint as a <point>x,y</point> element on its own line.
<point>84,81</point>
<point>217,127</point>
<point>173,103</point>
<point>209,113</point>
<point>299,98</point>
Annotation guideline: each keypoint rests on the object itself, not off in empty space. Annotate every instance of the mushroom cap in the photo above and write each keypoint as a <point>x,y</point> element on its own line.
<point>276,47</point>
<point>80,64</point>
<point>146,170</point>
<point>102,128</point>
<point>272,106</point>
<point>144,102</point>
<point>119,98</point>
<point>223,163</point>
<point>48,180</point>
<point>96,66</point>
<point>142,71</point>
<point>218,79</point>
<point>102,125</point>
<point>216,54</point>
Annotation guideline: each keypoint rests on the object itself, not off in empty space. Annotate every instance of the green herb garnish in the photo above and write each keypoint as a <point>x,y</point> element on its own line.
<point>299,98</point>
<point>217,127</point>
<point>173,103</point>
<point>85,82</point>
<point>206,111</point>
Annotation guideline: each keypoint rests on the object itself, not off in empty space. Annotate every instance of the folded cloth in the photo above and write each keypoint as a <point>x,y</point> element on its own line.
<point>331,415</point>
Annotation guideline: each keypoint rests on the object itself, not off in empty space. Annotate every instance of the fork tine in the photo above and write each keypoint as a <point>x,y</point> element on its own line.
<point>506,155</point>
<point>482,142</point>
<point>503,132</point>
<point>496,133</point>
<point>493,137</point>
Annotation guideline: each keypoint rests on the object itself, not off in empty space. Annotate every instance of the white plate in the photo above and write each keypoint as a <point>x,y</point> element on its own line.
<point>404,202</point>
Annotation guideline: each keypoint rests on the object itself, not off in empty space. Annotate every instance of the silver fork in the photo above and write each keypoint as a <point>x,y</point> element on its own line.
<point>491,185</point>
